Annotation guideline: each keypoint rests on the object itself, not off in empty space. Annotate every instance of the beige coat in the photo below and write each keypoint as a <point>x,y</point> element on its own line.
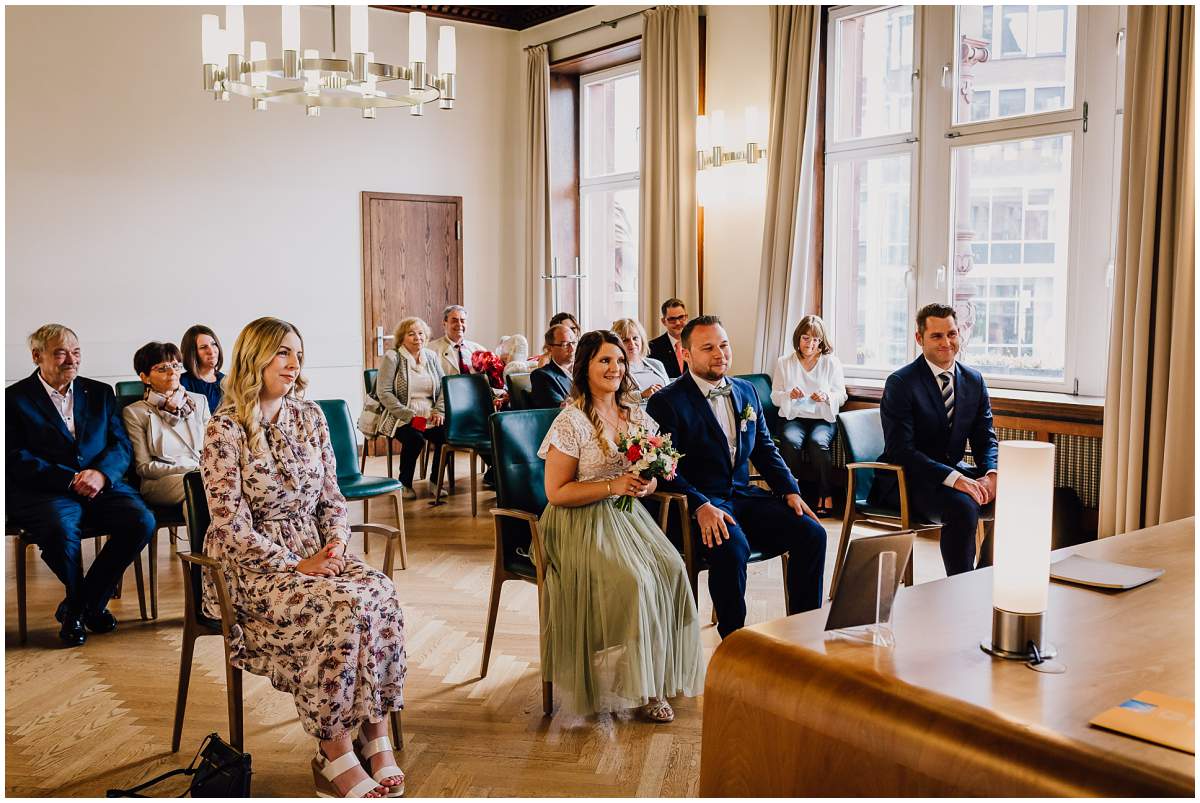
<point>162,454</point>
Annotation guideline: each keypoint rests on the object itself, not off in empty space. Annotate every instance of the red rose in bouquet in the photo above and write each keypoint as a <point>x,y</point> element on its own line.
<point>651,456</point>
<point>491,366</point>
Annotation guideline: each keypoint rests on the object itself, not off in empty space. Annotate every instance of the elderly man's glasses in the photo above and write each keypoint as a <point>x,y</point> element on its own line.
<point>570,344</point>
<point>168,368</point>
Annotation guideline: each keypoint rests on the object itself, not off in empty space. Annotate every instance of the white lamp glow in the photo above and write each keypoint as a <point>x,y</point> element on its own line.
<point>210,39</point>
<point>235,31</point>
<point>291,27</point>
<point>416,36</point>
<point>1024,512</point>
<point>359,39</point>
<point>447,52</point>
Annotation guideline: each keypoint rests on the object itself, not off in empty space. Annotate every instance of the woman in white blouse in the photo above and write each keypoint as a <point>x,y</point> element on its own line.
<point>410,390</point>
<point>647,373</point>
<point>809,389</point>
<point>166,428</point>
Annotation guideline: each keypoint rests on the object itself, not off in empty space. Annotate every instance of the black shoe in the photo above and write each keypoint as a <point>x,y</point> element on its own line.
<point>72,633</point>
<point>102,622</point>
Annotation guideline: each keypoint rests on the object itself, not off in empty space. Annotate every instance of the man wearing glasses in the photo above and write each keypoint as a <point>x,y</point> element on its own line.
<point>66,455</point>
<point>667,347</point>
<point>552,382</point>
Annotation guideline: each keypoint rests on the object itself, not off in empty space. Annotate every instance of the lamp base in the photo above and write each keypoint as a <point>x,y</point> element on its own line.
<point>1017,637</point>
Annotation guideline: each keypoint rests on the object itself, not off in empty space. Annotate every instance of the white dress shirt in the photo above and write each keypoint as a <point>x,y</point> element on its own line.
<point>954,474</point>
<point>722,408</point>
<point>64,403</point>
<point>826,377</point>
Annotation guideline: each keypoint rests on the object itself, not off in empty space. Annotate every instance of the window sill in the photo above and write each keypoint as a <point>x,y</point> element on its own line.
<point>1034,404</point>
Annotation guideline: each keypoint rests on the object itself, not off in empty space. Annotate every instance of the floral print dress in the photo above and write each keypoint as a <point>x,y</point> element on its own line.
<point>335,643</point>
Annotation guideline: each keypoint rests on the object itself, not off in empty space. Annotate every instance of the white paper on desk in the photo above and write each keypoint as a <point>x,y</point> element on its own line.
<point>1101,573</point>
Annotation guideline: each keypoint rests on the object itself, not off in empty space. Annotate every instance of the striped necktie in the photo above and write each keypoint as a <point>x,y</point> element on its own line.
<point>947,394</point>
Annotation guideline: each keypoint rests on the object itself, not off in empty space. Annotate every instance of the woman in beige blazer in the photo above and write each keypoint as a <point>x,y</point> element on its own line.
<point>166,427</point>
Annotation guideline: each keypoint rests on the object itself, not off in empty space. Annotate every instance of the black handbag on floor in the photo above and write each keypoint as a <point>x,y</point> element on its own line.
<point>218,770</point>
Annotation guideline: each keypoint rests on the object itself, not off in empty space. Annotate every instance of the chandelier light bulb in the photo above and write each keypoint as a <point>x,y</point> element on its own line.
<point>447,52</point>
<point>258,52</point>
<point>210,39</point>
<point>312,78</point>
<point>235,31</point>
<point>291,28</point>
<point>359,42</point>
<point>416,36</point>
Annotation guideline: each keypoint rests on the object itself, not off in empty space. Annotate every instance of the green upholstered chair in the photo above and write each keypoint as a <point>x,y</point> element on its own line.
<point>132,387</point>
<point>521,497</point>
<point>355,486</point>
<point>468,399</point>
<point>762,385</point>
<point>520,391</point>
<point>370,379</point>
<point>196,624</point>
<point>862,442</point>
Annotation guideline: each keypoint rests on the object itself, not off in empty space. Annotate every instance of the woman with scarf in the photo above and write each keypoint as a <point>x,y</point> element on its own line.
<point>166,428</point>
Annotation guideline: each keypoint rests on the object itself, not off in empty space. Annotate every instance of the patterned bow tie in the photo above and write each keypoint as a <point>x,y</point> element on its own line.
<point>724,390</point>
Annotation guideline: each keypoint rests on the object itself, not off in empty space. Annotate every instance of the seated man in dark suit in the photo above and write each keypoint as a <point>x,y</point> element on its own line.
<point>66,456</point>
<point>667,347</point>
<point>931,408</point>
<point>717,423</point>
<point>551,384</point>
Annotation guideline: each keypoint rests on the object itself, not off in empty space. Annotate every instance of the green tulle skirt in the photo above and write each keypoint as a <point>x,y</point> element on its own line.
<point>620,625</point>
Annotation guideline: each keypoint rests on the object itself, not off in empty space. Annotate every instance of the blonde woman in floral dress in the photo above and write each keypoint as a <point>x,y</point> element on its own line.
<point>318,621</point>
<point>621,629</point>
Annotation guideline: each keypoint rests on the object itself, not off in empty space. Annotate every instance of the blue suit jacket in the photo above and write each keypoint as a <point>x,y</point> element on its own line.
<point>705,471</point>
<point>916,432</point>
<point>41,457</point>
<point>550,385</point>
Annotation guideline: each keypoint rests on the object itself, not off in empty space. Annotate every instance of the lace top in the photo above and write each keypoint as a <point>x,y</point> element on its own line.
<point>573,435</point>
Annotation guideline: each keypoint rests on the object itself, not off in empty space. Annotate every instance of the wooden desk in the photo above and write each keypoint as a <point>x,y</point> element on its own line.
<point>789,711</point>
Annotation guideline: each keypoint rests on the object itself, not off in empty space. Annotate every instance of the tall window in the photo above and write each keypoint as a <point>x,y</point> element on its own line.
<point>610,120</point>
<point>962,167</point>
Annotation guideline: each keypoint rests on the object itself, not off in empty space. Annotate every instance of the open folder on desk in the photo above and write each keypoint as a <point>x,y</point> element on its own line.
<point>1154,717</point>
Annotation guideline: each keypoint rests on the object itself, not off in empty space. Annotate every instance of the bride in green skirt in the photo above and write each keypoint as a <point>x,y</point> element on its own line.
<point>620,629</point>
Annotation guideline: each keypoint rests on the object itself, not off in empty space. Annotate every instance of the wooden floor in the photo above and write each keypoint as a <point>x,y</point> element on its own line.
<point>80,721</point>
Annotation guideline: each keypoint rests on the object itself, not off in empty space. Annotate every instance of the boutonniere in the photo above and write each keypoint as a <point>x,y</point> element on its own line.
<point>747,415</point>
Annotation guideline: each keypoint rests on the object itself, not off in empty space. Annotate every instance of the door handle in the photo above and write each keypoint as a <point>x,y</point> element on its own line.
<point>379,338</point>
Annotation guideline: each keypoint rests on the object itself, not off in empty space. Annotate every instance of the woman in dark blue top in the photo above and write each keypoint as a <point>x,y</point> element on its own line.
<point>202,357</point>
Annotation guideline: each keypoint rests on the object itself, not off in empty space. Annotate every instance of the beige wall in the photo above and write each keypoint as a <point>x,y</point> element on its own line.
<point>137,206</point>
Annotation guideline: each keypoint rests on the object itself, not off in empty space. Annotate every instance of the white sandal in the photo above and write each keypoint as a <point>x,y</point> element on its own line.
<point>325,770</point>
<point>366,750</point>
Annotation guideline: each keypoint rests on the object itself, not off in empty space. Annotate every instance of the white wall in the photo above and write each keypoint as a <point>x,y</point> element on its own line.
<point>137,206</point>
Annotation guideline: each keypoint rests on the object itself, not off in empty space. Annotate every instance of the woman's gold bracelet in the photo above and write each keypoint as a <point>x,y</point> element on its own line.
<point>609,484</point>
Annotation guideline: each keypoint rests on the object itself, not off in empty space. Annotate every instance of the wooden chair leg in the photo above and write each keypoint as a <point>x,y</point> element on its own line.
<point>474,485</point>
<point>389,447</point>
<point>185,677</point>
<point>233,677</point>
<point>397,731</point>
<point>141,585</point>
<point>447,452</point>
<point>22,549</point>
<point>152,559</point>
<point>398,503</point>
<point>366,518</point>
<point>362,463</point>
<point>489,632</point>
<point>843,547</point>
<point>425,460</point>
<point>451,471</point>
<point>547,698</point>
<point>787,597</point>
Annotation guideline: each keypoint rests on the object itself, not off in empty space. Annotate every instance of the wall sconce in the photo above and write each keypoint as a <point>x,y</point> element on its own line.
<point>712,130</point>
<point>1021,577</point>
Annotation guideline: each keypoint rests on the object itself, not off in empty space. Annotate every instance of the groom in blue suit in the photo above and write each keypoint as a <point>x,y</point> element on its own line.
<point>931,409</point>
<point>66,454</point>
<point>717,423</point>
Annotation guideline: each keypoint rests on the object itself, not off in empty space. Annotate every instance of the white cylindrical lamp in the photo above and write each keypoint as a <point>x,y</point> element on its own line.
<point>1021,571</point>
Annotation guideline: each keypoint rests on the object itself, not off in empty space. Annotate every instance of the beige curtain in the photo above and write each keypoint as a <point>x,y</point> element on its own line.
<point>670,81</point>
<point>789,283</point>
<point>537,195</point>
<point>1148,471</point>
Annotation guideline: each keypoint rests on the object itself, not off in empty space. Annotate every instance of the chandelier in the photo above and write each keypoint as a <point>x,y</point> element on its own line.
<point>306,78</point>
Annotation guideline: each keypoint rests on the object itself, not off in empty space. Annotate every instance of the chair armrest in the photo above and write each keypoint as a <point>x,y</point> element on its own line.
<point>228,618</point>
<point>511,513</point>
<point>375,529</point>
<point>903,486</point>
<point>535,537</point>
<point>878,466</point>
<point>203,561</point>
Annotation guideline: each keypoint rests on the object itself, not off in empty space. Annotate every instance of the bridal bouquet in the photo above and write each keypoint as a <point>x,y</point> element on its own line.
<point>491,366</point>
<point>651,456</point>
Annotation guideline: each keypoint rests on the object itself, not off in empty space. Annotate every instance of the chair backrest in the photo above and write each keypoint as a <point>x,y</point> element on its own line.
<point>370,378</point>
<point>196,505</point>
<point>126,399</point>
<point>520,473</point>
<point>130,388</point>
<point>341,436</point>
<point>762,386</point>
<point>468,406</point>
<point>862,442</point>
<point>520,391</point>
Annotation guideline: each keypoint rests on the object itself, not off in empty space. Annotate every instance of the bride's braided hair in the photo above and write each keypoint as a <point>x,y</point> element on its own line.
<point>581,393</point>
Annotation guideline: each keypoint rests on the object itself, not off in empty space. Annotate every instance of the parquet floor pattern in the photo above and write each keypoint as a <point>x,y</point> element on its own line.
<point>80,721</point>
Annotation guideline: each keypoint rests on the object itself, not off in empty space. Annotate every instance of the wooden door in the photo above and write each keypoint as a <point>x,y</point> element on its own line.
<point>412,263</point>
